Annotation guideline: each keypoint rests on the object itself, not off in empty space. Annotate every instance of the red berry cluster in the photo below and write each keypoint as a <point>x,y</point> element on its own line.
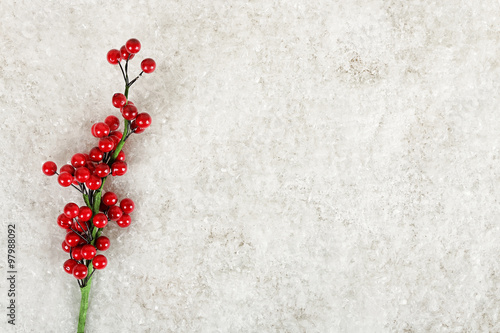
<point>79,221</point>
<point>88,172</point>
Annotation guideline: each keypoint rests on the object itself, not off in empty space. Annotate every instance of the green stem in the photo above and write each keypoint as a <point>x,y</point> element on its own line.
<point>84,305</point>
<point>96,232</point>
<point>86,199</point>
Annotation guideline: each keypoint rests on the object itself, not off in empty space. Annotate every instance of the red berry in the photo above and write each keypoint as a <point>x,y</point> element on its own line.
<point>102,170</point>
<point>133,45</point>
<point>109,199</point>
<point>65,179</point>
<point>119,100</point>
<point>100,220</point>
<point>148,65</point>
<point>49,168</point>
<point>113,122</point>
<point>129,112</point>
<point>115,139</point>
<point>103,207</point>
<point>118,168</point>
<point>69,265</point>
<point>67,168</point>
<point>65,247</point>
<point>82,174</point>
<point>135,129</point>
<point>88,251</point>
<point>72,239</point>
<point>84,214</point>
<point>96,154</point>
<point>113,56</point>
<point>91,167</point>
<point>106,144</point>
<point>125,54</point>
<point>94,182</point>
<point>124,221</point>
<point>100,261</point>
<point>80,271</point>
<point>119,135</point>
<point>71,210</point>
<point>102,243</point>
<point>63,221</point>
<point>78,160</point>
<point>80,226</point>
<point>127,205</point>
<point>120,156</point>
<point>143,120</point>
<point>101,130</point>
<point>76,253</point>
<point>114,213</point>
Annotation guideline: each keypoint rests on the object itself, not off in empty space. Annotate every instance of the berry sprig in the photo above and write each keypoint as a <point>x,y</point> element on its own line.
<point>87,173</point>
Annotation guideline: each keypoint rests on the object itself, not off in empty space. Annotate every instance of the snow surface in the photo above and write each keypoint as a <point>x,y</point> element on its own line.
<point>312,166</point>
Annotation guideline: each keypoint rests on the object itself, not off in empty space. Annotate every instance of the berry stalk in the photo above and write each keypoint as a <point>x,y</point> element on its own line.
<point>88,173</point>
<point>84,305</point>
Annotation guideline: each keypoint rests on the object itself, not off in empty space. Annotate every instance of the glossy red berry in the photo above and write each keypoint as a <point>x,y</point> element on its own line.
<point>78,160</point>
<point>102,243</point>
<point>76,253</point>
<point>119,135</point>
<point>91,167</point>
<point>118,168</point>
<point>129,112</point>
<point>125,54</point>
<point>112,122</point>
<point>127,205</point>
<point>106,144</point>
<point>109,199</point>
<point>65,179</point>
<point>114,56</point>
<point>102,170</point>
<point>84,214</point>
<point>115,139</point>
<point>69,265</point>
<point>71,210</point>
<point>114,213</point>
<point>120,156</point>
<point>80,226</point>
<point>63,221</point>
<point>103,207</point>
<point>133,45</point>
<point>96,154</point>
<point>94,182</point>
<point>72,239</point>
<point>124,221</point>
<point>80,271</point>
<point>82,174</point>
<point>88,251</point>
<point>100,261</point>
<point>135,128</point>
<point>67,168</point>
<point>66,248</point>
<point>148,65</point>
<point>49,168</point>
<point>143,120</point>
<point>100,220</point>
<point>119,100</point>
<point>101,130</point>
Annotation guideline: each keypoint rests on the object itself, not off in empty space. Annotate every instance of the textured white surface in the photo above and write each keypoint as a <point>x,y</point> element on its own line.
<point>313,166</point>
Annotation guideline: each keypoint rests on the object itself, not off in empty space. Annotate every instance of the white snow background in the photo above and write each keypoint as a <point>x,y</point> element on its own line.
<point>312,166</point>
